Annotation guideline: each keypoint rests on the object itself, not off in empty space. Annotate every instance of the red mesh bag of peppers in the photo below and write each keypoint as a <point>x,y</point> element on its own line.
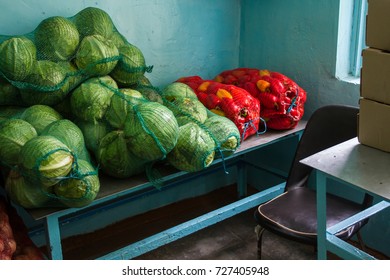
<point>282,100</point>
<point>230,101</point>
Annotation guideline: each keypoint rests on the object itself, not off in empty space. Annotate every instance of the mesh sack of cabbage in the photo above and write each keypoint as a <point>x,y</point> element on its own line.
<point>203,136</point>
<point>43,66</point>
<point>47,161</point>
<point>123,129</point>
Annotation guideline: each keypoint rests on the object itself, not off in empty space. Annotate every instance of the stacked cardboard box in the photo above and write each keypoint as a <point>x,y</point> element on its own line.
<point>374,115</point>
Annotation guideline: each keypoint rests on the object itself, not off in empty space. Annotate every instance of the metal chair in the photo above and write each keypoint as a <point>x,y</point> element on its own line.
<point>293,213</point>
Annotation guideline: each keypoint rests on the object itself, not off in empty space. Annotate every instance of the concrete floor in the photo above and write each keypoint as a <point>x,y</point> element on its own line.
<point>235,239</point>
<point>232,239</point>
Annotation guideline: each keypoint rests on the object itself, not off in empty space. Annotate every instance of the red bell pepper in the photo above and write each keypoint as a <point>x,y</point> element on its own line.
<point>280,97</point>
<point>231,101</point>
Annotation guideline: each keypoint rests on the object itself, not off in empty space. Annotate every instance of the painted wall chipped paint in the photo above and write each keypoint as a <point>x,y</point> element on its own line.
<point>299,39</point>
<point>179,38</point>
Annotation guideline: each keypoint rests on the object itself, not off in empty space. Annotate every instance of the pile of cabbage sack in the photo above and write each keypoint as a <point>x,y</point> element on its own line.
<point>75,102</point>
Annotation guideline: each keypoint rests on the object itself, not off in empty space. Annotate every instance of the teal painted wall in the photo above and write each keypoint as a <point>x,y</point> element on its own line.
<point>298,38</point>
<point>179,38</point>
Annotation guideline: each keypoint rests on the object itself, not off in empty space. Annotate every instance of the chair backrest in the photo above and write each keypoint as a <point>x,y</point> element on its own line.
<point>328,126</point>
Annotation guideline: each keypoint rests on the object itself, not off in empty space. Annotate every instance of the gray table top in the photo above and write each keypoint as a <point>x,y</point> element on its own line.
<point>360,165</point>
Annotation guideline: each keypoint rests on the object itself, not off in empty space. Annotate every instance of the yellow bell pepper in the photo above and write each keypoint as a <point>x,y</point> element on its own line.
<point>263,86</point>
<point>203,86</point>
<point>223,93</point>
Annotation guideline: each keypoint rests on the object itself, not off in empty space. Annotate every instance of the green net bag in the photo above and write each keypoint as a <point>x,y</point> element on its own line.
<point>225,132</point>
<point>40,116</point>
<point>203,136</point>
<point>57,39</point>
<point>46,64</point>
<point>93,132</point>
<point>71,135</point>
<point>9,94</point>
<point>14,133</point>
<point>9,112</point>
<point>18,56</point>
<point>121,103</point>
<point>91,99</point>
<point>81,188</point>
<point>26,193</point>
<point>78,189</point>
<point>152,130</point>
<point>116,158</point>
<point>45,158</point>
<point>48,86</point>
<point>145,87</point>
<point>123,129</point>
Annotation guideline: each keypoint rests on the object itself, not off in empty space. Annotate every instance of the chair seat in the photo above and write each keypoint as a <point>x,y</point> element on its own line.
<point>294,215</point>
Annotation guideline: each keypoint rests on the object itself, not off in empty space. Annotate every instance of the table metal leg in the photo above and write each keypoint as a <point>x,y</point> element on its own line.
<point>344,249</point>
<point>53,238</point>
<point>321,215</point>
<point>242,179</point>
